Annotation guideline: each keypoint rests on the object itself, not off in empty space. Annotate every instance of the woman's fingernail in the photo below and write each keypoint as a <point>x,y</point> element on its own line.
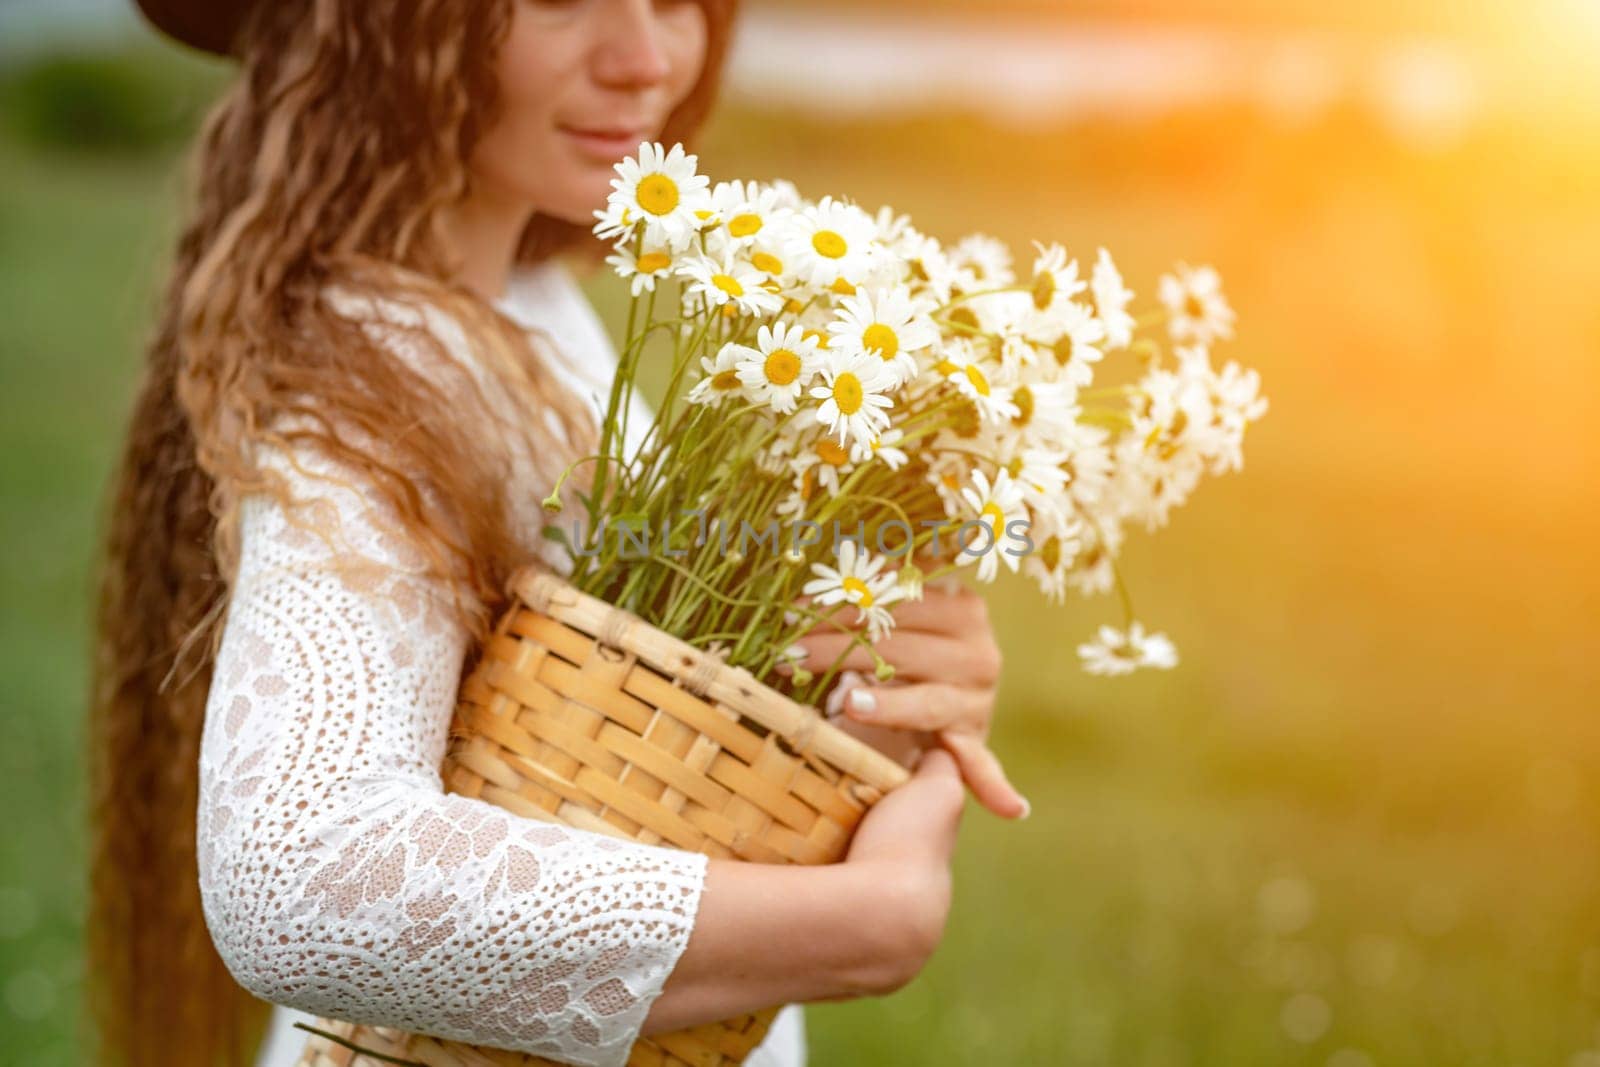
<point>1027,809</point>
<point>863,703</point>
<point>797,653</point>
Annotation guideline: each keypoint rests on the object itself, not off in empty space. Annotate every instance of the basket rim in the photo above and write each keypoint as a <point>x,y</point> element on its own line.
<point>801,725</point>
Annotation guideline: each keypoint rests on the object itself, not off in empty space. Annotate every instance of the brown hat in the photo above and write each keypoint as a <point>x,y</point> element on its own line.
<point>208,25</point>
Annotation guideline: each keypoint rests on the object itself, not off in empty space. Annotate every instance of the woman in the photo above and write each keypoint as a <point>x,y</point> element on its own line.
<point>327,480</point>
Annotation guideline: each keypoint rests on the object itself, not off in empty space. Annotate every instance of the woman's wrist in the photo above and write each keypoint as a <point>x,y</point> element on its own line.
<point>769,934</point>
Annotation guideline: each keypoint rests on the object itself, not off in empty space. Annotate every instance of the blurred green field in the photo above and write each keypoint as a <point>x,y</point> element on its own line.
<point>1359,825</point>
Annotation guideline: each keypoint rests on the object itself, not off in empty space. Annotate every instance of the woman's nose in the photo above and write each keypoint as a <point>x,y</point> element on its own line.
<point>630,51</point>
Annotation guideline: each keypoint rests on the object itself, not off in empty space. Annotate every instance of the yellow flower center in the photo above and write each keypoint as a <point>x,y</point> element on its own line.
<point>950,480</point>
<point>651,262</point>
<point>768,262</point>
<point>1050,554</point>
<point>1044,290</point>
<point>817,336</point>
<point>728,284</point>
<point>782,366</point>
<point>1023,397</point>
<point>658,194</point>
<point>729,311</point>
<point>979,382</point>
<point>847,393</point>
<point>992,512</point>
<point>744,225</point>
<point>702,214</point>
<point>725,380</point>
<point>832,454</point>
<point>945,368</point>
<point>858,591</point>
<point>828,243</point>
<point>1015,466</point>
<point>842,286</point>
<point>883,339</point>
<point>1193,308</point>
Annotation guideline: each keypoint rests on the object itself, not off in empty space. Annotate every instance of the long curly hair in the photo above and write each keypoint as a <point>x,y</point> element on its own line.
<point>330,159</point>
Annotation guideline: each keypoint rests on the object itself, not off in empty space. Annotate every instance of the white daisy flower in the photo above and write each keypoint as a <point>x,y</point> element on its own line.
<point>825,462</point>
<point>1200,313</point>
<point>745,211</point>
<point>887,324</point>
<point>1056,541</point>
<point>779,368</point>
<point>1174,415</point>
<point>1040,476</point>
<point>1236,401</point>
<point>721,379</point>
<point>1076,348</point>
<point>830,244</point>
<point>1114,652</point>
<point>855,395</point>
<point>644,268</point>
<point>1013,325</point>
<point>1150,480</point>
<point>859,580</point>
<point>932,273</point>
<point>1111,301</point>
<point>883,448</point>
<point>729,279</point>
<point>996,506</point>
<point>1054,276</point>
<point>986,258</point>
<point>664,190</point>
<point>787,194</point>
<point>959,365</point>
<point>1046,411</point>
<point>615,220</point>
<point>894,229</point>
<point>766,256</point>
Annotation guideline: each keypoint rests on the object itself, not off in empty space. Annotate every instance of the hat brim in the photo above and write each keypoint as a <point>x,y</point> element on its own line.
<point>208,25</point>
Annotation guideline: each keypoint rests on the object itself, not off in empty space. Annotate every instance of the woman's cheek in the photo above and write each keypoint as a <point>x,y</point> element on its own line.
<point>688,51</point>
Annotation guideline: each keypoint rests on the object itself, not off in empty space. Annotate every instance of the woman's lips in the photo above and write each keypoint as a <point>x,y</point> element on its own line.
<point>610,144</point>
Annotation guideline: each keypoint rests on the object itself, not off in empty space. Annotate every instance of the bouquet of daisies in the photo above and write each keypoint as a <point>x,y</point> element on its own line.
<point>853,409</point>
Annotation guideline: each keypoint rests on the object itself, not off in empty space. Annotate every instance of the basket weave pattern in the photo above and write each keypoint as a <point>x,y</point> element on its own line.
<point>580,713</point>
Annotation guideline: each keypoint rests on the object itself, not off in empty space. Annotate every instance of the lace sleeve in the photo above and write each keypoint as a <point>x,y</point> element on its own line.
<point>339,878</point>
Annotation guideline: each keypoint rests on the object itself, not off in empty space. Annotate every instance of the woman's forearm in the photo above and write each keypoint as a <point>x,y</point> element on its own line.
<point>768,934</point>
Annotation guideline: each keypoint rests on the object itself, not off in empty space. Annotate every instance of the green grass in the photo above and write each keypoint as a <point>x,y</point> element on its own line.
<point>1368,787</point>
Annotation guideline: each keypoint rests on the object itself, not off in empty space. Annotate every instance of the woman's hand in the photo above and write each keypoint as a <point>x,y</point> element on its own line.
<point>947,668</point>
<point>902,849</point>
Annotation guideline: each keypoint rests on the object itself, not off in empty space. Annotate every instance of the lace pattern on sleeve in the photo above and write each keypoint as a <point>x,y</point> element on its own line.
<point>339,878</point>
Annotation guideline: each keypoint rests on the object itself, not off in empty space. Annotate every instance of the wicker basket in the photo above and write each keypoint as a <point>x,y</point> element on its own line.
<point>582,714</point>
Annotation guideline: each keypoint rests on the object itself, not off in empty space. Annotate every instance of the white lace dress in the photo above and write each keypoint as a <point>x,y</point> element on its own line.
<point>338,877</point>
